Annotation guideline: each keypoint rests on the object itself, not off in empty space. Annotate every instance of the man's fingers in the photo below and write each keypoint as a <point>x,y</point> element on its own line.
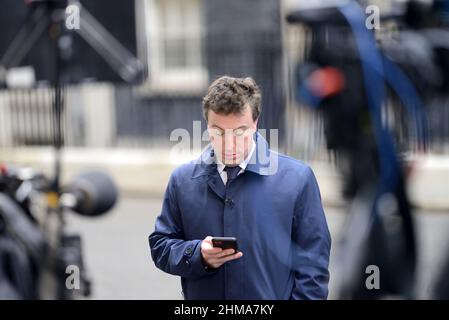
<point>216,263</point>
<point>232,257</point>
<point>224,253</point>
<point>227,258</point>
<point>210,254</point>
<point>217,253</point>
<point>211,251</point>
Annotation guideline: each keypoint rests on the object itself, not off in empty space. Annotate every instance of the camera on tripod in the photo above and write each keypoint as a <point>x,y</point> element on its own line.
<point>39,258</point>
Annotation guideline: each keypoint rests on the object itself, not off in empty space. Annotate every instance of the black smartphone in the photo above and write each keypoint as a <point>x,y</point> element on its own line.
<point>225,243</point>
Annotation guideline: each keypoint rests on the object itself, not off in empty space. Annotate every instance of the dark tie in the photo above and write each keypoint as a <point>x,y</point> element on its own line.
<point>232,172</point>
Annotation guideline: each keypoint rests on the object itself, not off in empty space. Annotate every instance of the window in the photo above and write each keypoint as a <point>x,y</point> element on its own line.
<point>175,31</point>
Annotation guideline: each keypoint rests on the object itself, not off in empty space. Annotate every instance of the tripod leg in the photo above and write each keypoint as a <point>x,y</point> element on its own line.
<point>109,48</point>
<point>28,35</point>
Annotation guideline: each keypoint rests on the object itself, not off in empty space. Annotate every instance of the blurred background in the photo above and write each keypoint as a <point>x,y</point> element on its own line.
<point>129,130</point>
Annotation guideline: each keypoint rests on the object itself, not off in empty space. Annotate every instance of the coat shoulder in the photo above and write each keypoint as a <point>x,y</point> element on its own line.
<point>293,165</point>
<point>183,170</point>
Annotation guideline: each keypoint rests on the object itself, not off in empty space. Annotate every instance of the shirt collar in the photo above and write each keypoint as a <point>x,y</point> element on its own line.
<point>262,161</point>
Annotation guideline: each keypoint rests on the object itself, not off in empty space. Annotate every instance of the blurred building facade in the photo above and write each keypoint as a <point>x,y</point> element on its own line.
<point>186,44</point>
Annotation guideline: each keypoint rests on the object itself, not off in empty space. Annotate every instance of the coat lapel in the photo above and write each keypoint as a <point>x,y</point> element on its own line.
<point>206,165</point>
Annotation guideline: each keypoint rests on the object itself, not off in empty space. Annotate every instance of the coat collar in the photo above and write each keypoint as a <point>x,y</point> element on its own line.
<point>263,161</point>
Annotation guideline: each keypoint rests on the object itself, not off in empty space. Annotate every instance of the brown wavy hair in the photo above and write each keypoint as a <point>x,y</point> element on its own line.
<point>228,95</point>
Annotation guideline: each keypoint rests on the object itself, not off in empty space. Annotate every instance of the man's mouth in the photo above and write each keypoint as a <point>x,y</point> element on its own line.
<point>230,156</point>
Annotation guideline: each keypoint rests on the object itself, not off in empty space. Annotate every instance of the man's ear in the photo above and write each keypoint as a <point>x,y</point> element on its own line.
<point>255,124</point>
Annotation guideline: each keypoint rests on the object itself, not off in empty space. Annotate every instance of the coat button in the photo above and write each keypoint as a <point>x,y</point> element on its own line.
<point>188,251</point>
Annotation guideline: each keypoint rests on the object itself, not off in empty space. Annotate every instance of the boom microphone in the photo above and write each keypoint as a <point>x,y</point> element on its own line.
<point>91,193</point>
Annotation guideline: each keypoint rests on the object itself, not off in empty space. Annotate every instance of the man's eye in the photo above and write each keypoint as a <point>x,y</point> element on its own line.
<point>217,132</point>
<point>239,131</point>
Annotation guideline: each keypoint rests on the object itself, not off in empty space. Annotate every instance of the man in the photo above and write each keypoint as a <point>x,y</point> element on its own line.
<point>272,207</point>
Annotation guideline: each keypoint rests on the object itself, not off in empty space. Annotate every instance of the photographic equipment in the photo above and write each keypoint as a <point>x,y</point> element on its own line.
<point>38,34</point>
<point>349,76</point>
<point>70,41</point>
<point>225,243</point>
<point>35,249</point>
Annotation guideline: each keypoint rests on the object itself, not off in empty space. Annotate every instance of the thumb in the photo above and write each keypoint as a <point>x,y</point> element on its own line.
<point>207,242</point>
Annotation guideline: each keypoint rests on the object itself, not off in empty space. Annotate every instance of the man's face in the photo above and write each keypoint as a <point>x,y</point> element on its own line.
<point>231,135</point>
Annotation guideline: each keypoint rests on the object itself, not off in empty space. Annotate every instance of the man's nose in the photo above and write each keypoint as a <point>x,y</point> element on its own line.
<point>229,143</point>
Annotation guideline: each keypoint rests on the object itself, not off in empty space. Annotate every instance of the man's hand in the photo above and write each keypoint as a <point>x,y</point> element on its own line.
<point>215,257</point>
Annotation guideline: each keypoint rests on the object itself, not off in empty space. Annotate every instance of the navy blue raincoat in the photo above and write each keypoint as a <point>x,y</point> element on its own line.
<point>273,208</point>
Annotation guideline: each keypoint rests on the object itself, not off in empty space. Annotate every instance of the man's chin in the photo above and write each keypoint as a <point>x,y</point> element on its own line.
<point>231,161</point>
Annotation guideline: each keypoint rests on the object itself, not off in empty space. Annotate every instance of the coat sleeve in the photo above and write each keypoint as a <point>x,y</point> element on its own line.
<point>311,243</point>
<point>170,251</point>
